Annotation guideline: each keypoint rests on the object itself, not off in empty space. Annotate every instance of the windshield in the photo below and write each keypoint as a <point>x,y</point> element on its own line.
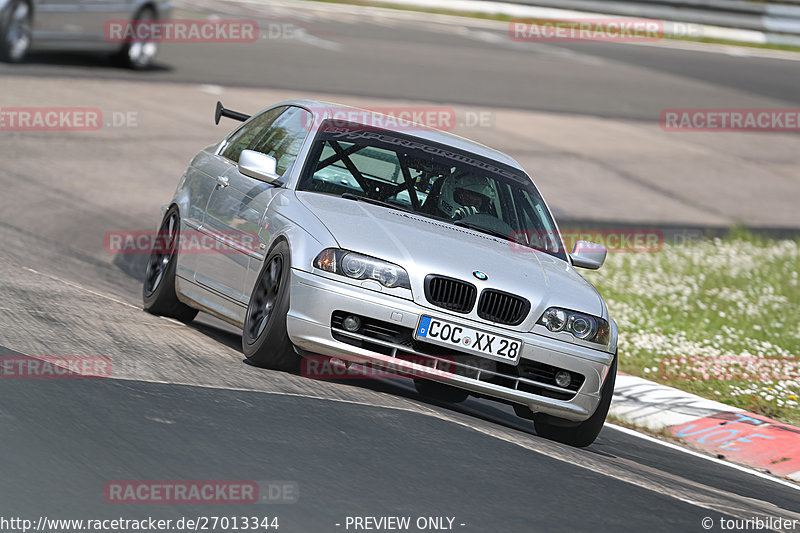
<point>430,180</point>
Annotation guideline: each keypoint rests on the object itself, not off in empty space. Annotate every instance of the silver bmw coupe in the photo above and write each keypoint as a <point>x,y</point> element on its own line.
<point>401,248</point>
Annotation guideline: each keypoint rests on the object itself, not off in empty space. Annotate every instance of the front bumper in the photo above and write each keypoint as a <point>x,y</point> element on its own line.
<point>314,299</point>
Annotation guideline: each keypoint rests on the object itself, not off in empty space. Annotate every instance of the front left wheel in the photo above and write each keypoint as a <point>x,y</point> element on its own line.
<point>158,290</point>
<point>265,340</point>
<point>584,433</point>
<point>139,54</point>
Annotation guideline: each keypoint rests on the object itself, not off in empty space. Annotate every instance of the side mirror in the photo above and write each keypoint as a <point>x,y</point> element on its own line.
<point>259,166</point>
<point>587,254</point>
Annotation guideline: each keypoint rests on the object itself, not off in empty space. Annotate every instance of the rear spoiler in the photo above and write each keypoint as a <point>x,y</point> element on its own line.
<point>222,112</point>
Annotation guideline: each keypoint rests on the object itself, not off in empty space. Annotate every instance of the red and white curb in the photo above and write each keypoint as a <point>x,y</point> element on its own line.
<point>720,429</point>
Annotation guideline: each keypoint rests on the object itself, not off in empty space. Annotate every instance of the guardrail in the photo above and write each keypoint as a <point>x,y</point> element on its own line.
<point>780,21</point>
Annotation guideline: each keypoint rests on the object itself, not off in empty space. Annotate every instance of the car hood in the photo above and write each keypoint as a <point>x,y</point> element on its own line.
<point>425,246</point>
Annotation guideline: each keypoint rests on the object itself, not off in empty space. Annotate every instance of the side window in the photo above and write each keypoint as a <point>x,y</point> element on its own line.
<point>244,136</point>
<point>283,139</point>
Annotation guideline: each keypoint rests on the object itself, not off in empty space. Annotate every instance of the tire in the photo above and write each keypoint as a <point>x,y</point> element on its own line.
<point>16,33</point>
<point>586,432</point>
<point>439,391</point>
<point>139,55</point>
<point>158,289</point>
<point>265,341</point>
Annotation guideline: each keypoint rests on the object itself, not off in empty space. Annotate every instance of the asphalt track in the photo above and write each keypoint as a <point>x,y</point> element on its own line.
<point>182,405</point>
<point>346,50</point>
<point>582,118</point>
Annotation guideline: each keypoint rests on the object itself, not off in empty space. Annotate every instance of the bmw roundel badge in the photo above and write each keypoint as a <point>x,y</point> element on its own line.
<point>480,275</point>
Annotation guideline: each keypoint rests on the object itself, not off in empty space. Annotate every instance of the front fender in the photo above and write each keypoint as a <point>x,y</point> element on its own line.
<point>614,336</point>
<point>305,240</point>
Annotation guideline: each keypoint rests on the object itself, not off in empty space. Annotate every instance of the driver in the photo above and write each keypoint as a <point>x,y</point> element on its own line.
<point>465,195</point>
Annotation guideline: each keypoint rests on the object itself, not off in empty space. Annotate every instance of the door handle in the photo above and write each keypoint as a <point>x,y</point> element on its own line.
<point>222,182</point>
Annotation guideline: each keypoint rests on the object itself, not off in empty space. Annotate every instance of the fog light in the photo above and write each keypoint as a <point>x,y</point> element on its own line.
<point>351,323</point>
<point>563,379</point>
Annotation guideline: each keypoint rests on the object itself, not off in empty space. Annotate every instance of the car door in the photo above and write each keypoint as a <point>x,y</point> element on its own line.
<point>198,182</point>
<point>96,13</point>
<point>57,19</point>
<point>238,203</point>
<point>79,20</point>
<point>284,141</point>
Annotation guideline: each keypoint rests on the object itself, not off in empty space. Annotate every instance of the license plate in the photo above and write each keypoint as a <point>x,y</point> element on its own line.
<point>467,339</point>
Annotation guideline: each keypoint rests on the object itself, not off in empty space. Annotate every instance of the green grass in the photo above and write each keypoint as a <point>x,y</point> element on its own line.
<point>719,318</point>
<point>507,18</point>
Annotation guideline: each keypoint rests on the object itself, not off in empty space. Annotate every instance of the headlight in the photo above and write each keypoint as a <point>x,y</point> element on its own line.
<point>585,327</point>
<point>357,266</point>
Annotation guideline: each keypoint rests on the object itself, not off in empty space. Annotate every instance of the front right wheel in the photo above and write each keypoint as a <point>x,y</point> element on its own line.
<point>586,432</point>
<point>159,296</point>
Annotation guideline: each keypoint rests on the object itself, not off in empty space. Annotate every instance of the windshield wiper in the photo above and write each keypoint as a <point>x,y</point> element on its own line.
<point>493,233</point>
<point>357,198</point>
<point>503,236</point>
